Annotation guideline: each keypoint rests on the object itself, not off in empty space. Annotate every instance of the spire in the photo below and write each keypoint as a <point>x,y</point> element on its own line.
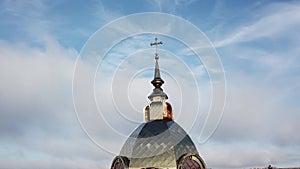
<point>158,109</point>
<point>157,82</point>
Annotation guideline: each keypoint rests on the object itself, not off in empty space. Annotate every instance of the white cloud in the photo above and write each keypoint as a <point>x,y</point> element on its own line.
<point>20,8</point>
<point>258,128</point>
<point>103,14</point>
<point>170,6</point>
<point>38,124</point>
<point>246,155</point>
<point>277,20</point>
<point>262,66</point>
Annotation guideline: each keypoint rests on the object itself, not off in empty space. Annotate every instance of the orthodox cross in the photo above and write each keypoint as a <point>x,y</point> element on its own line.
<point>156,44</point>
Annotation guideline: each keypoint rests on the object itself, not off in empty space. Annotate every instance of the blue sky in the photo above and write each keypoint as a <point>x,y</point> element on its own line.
<point>257,42</point>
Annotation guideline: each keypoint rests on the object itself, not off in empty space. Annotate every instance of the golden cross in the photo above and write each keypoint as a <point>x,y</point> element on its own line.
<point>156,44</point>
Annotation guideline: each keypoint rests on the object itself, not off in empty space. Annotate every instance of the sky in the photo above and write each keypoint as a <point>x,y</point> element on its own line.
<point>47,122</point>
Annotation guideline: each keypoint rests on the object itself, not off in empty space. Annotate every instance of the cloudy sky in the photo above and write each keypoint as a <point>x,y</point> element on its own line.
<point>40,43</point>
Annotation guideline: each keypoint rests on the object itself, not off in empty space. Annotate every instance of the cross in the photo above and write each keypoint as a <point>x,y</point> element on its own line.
<point>156,44</point>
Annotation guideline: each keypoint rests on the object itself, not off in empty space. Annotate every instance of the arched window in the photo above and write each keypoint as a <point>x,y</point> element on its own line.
<point>168,112</point>
<point>119,162</point>
<point>190,162</point>
<point>147,113</point>
<point>118,165</point>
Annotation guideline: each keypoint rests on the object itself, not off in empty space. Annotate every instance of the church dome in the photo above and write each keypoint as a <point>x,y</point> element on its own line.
<point>159,144</point>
